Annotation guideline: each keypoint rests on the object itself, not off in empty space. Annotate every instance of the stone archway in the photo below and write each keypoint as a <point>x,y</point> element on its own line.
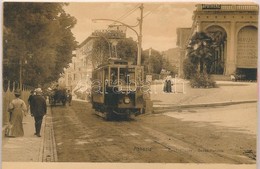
<point>247,48</point>
<point>219,36</point>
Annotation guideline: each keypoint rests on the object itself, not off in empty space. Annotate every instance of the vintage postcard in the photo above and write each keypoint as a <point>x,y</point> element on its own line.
<point>129,84</point>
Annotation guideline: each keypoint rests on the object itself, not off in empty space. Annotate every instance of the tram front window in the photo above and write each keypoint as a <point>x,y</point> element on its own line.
<point>113,75</point>
<point>127,76</point>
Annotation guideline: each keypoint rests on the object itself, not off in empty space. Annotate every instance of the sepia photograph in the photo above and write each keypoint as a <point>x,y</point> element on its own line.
<point>129,84</point>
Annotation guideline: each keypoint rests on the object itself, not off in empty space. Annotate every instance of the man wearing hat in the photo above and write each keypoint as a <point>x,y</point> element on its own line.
<point>38,110</point>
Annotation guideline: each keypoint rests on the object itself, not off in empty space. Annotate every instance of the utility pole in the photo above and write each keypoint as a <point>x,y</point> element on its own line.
<point>149,64</point>
<point>140,36</point>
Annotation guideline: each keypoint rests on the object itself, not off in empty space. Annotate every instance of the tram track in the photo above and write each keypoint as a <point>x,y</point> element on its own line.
<point>182,147</point>
<point>136,141</point>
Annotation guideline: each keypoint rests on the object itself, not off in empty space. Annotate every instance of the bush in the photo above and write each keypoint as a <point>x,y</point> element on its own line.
<point>189,70</point>
<point>202,80</point>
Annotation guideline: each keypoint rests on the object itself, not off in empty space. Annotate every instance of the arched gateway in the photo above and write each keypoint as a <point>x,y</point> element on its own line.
<point>236,26</point>
<point>220,36</point>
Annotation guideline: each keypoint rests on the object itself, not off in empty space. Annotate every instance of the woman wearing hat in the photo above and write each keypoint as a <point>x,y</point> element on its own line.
<point>17,107</point>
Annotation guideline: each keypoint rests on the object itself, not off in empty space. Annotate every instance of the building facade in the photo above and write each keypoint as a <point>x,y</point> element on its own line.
<point>80,70</point>
<point>183,35</point>
<point>236,27</point>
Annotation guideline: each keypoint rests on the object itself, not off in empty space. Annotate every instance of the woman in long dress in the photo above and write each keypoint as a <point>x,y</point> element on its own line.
<point>17,109</point>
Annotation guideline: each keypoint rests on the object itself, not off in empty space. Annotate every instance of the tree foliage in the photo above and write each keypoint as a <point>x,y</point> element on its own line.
<point>201,52</point>
<point>154,63</point>
<point>103,49</point>
<point>100,52</point>
<point>200,58</point>
<point>38,37</point>
<point>127,49</point>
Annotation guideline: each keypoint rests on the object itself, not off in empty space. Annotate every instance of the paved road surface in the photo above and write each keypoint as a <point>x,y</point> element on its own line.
<point>239,118</point>
<point>81,136</point>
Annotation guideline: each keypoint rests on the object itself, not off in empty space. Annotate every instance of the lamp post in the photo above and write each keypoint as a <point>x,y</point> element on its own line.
<point>139,35</point>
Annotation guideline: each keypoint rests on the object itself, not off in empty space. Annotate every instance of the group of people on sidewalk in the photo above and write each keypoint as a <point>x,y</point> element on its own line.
<point>17,109</point>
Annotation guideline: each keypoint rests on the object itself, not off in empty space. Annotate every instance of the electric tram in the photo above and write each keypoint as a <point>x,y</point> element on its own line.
<point>117,89</point>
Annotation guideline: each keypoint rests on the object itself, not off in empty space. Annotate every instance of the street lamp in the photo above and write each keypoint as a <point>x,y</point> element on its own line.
<point>139,35</point>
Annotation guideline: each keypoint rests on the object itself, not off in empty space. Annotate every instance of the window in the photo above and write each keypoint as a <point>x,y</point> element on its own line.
<point>127,75</point>
<point>113,76</point>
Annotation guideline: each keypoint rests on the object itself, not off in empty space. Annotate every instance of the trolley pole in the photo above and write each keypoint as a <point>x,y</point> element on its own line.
<point>139,35</point>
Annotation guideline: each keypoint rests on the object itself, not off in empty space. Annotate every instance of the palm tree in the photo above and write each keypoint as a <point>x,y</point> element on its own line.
<point>201,51</point>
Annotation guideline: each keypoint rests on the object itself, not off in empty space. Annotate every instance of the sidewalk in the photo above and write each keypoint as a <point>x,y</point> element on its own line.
<point>227,92</point>
<point>30,148</point>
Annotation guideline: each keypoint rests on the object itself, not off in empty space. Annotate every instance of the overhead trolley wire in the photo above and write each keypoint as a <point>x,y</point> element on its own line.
<point>148,13</point>
<point>128,13</point>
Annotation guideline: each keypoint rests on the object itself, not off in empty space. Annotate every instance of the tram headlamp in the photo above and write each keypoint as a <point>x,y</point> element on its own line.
<point>127,100</point>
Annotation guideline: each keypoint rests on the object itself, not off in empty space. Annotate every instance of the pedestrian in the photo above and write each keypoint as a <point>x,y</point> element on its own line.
<point>165,85</point>
<point>32,93</point>
<point>38,110</point>
<point>169,85</point>
<point>17,109</point>
<point>69,97</point>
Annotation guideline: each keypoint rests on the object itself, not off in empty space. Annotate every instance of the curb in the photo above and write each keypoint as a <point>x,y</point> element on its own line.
<point>161,108</point>
<point>42,141</point>
<point>49,151</point>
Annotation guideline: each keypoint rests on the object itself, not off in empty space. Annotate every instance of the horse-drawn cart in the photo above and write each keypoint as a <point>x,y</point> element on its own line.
<point>58,96</point>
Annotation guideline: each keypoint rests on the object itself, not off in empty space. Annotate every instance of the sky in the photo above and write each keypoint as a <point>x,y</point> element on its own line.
<point>159,24</point>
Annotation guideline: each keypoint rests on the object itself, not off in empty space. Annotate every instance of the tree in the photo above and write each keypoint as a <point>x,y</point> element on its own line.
<point>156,62</point>
<point>200,58</point>
<point>127,49</point>
<point>102,49</point>
<point>153,63</point>
<point>169,67</point>
<point>189,69</point>
<point>201,52</point>
<point>38,38</point>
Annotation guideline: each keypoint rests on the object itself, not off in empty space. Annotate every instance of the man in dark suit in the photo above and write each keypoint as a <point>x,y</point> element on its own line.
<point>38,110</point>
